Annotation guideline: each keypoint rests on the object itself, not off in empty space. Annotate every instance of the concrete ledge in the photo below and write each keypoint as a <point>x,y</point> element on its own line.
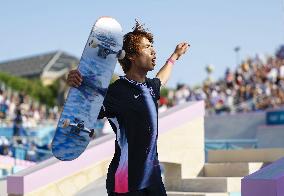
<point>208,184</point>
<point>231,169</point>
<point>180,114</point>
<point>245,155</point>
<point>70,185</point>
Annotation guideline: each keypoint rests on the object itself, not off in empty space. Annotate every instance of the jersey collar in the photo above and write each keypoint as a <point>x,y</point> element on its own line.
<point>134,81</point>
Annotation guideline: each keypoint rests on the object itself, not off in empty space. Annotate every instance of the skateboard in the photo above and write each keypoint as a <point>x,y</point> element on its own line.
<point>75,128</point>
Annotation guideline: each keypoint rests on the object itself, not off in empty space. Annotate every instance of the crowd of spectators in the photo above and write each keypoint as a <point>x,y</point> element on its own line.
<point>21,112</point>
<point>17,105</point>
<point>256,84</point>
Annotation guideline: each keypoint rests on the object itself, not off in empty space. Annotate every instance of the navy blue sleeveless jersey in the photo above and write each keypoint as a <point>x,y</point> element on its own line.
<point>132,111</point>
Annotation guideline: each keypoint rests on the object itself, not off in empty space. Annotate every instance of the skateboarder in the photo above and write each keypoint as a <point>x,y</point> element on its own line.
<point>132,110</point>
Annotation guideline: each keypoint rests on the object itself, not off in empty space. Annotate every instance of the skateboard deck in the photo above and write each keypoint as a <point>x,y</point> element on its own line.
<point>75,128</point>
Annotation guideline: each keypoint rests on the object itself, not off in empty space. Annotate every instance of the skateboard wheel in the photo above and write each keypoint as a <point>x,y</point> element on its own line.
<point>121,54</point>
<point>92,133</point>
<point>94,43</point>
<point>107,51</point>
<point>66,123</point>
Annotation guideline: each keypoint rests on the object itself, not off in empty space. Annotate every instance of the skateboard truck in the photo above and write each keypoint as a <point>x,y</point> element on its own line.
<point>94,43</point>
<point>79,125</point>
<point>105,50</point>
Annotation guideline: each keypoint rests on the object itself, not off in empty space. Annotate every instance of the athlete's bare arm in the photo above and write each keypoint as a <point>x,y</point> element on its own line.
<point>165,72</point>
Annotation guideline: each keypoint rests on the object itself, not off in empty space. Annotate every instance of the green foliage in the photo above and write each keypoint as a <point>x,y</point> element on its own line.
<point>33,88</point>
<point>164,92</point>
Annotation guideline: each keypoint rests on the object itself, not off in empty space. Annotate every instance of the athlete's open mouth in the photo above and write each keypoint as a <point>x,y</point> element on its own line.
<point>154,60</point>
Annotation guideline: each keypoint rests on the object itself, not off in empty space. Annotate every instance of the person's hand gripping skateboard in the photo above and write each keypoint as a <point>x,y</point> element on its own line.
<point>74,78</point>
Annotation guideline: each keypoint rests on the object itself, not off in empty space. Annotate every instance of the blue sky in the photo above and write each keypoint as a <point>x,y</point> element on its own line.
<point>213,28</point>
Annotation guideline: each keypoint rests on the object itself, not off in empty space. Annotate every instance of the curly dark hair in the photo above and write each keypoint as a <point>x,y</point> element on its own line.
<point>131,43</point>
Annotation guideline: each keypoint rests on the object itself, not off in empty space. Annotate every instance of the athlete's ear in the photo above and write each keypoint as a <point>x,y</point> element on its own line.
<point>132,58</point>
